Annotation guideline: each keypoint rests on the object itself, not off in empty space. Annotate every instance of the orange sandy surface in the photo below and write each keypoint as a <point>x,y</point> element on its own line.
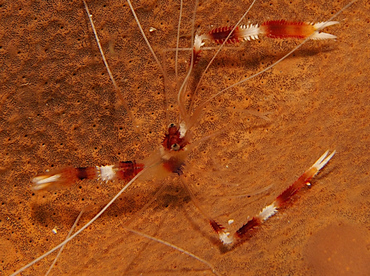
<point>58,107</point>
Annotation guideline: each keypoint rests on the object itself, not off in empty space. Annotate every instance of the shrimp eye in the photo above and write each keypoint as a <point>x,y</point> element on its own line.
<point>175,147</point>
<point>172,129</point>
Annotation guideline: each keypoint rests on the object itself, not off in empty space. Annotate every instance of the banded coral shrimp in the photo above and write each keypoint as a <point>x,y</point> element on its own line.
<point>273,155</point>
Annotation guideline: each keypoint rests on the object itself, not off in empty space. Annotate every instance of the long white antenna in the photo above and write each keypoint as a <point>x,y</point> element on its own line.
<point>119,92</point>
<point>144,36</point>
<point>100,48</point>
<point>83,227</point>
<point>174,247</point>
<point>61,249</point>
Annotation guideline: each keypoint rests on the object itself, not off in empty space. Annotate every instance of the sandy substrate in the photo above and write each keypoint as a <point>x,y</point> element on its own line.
<point>58,108</point>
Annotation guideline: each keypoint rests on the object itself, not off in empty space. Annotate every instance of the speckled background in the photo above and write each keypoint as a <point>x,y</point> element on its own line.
<point>58,107</point>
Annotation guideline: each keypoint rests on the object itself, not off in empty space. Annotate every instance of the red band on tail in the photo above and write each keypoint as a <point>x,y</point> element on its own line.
<point>286,29</point>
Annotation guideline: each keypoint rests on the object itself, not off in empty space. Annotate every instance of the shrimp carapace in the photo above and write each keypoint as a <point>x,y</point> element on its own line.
<point>173,151</point>
<point>174,140</point>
